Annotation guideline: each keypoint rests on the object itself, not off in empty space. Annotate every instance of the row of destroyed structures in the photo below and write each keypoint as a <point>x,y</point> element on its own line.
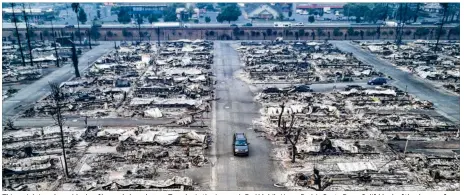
<point>43,58</point>
<point>147,158</point>
<point>441,66</point>
<point>350,139</point>
<point>301,62</point>
<point>169,82</point>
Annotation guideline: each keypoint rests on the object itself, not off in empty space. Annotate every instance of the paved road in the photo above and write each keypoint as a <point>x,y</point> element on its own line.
<point>106,122</point>
<point>27,96</point>
<point>234,112</point>
<point>447,105</point>
<point>211,25</point>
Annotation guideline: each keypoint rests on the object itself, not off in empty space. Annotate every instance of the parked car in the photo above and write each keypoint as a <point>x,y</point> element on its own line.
<point>69,26</point>
<point>233,25</point>
<point>377,81</point>
<point>416,23</point>
<point>248,24</point>
<point>240,144</point>
<point>85,97</point>
<point>299,24</point>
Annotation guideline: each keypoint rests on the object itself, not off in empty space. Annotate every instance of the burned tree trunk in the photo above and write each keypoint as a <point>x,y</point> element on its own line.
<point>282,106</point>
<point>295,138</point>
<point>75,60</point>
<point>28,35</point>
<point>15,20</point>
<point>58,100</point>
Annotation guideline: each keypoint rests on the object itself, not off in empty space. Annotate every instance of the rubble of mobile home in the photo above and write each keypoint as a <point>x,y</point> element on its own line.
<point>351,138</point>
<point>170,82</point>
<point>44,61</point>
<point>300,62</point>
<point>441,67</point>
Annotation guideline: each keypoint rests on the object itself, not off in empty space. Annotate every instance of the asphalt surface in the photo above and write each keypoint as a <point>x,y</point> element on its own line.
<point>29,95</point>
<point>212,25</point>
<point>445,104</point>
<point>234,112</point>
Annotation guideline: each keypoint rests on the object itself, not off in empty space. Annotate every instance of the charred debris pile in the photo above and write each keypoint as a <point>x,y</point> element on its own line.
<point>303,62</point>
<point>170,82</point>
<point>441,67</point>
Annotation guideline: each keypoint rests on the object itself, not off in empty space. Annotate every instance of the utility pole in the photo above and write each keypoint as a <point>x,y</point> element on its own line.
<point>28,35</point>
<point>159,44</point>
<point>54,41</point>
<point>17,35</point>
<point>90,42</point>
<point>445,11</point>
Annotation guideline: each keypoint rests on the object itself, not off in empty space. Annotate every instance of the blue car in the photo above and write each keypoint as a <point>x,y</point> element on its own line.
<point>240,144</point>
<point>377,81</point>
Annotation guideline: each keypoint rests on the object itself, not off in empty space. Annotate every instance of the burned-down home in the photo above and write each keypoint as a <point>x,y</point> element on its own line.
<point>177,84</point>
<point>440,67</point>
<point>103,158</point>
<point>309,62</point>
<point>43,58</point>
<point>355,139</point>
<point>104,88</point>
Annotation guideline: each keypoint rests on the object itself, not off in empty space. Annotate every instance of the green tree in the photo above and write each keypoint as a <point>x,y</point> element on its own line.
<point>153,18</point>
<point>229,13</point>
<point>320,32</point>
<point>82,16</point>
<point>207,6</point>
<point>170,14</point>
<point>76,7</point>
<point>123,16</point>
<point>350,31</point>
<point>207,19</point>
<point>311,19</point>
<point>98,14</point>
<point>336,32</point>
<point>290,14</point>
<point>301,32</point>
<point>95,32</point>
<point>109,33</point>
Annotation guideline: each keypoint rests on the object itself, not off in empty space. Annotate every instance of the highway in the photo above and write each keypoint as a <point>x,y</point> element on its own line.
<point>217,25</point>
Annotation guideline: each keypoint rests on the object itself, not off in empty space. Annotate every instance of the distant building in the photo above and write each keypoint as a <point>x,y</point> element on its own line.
<point>32,14</point>
<point>143,8</point>
<point>263,12</point>
<point>432,7</point>
<point>320,7</point>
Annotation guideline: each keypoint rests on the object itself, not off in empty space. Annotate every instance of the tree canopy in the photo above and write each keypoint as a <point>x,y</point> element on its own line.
<point>123,16</point>
<point>311,19</point>
<point>153,18</point>
<point>229,13</point>
<point>170,14</point>
<point>82,16</point>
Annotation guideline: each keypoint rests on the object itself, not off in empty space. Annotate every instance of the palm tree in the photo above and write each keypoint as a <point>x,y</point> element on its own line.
<point>15,20</point>
<point>28,35</point>
<point>438,34</point>
<point>75,7</point>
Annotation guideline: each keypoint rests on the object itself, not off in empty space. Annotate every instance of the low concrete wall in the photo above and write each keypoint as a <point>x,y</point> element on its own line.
<point>241,33</point>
